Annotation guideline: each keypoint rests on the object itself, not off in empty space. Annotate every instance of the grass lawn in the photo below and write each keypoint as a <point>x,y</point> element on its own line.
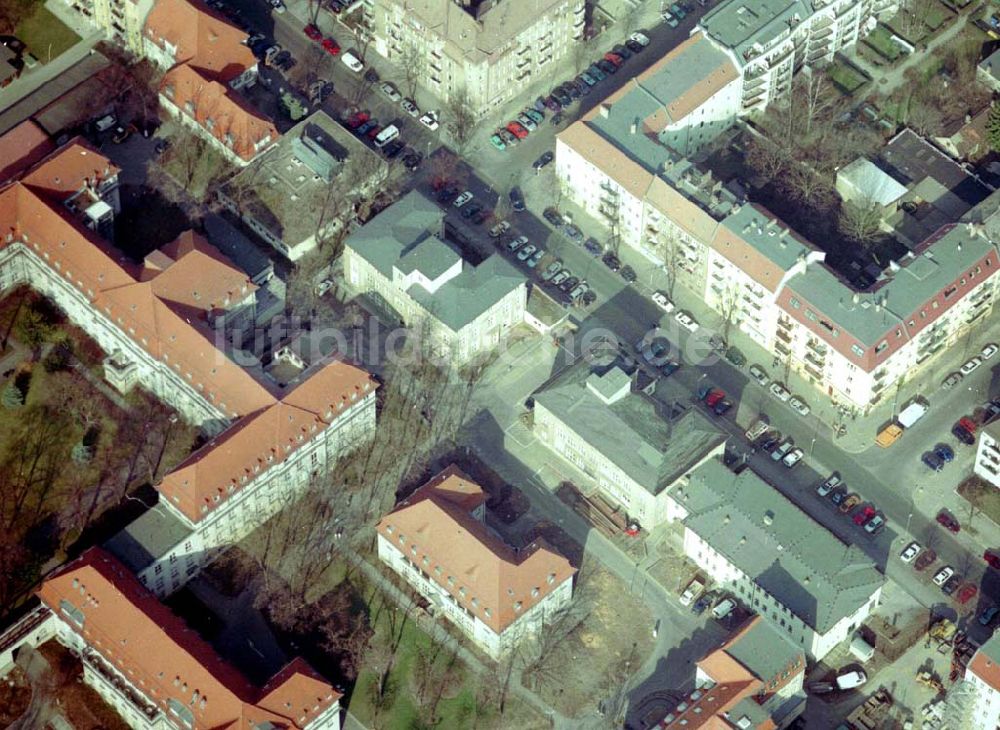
<point>937,16</point>
<point>45,35</point>
<point>845,78</point>
<point>880,39</point>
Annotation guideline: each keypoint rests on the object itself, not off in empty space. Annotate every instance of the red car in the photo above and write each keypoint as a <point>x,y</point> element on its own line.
<point>356,120</point>
<point>992,558</point>
<point>864,515</point>
<point>374,132</point>
<point>331,46</point>
<point>948,521</point>
<point>517,130</point>
<point>713,398</point>
<point>614,58</point>
<point>313,32</point>
<point>968,424</point>
<point>966,593</point>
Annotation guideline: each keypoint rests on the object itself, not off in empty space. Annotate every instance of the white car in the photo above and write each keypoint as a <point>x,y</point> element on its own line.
<point>410,108</point>
<point>971,365</point>
<point>390,92</point>
<point>662,301</point>
<point>989,351</point>
<point>799,405</point>
<point>520,241</point>
<point>527,122</point>
<point>499,229</point>
<point>829,485</point>
<point>462,199</point>
<point>910,552</point>
<point>352,62</point>
<point>792,458</point>
<point>943,575</point>
<point>779,453</point>
<point>723,609</point>
<point>686,321</point>
<point>758,374</point>
<point>640,38</point>
<point>430,120</point>
<point>780,392</point>
<point>875,524</point>
<point>525,253</point>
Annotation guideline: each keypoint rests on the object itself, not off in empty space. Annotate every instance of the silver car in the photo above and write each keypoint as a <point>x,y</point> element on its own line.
<point>525,253</point>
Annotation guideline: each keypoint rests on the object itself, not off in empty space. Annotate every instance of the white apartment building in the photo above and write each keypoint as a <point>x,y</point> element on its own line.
<point>155,671</point>
<point>769,41</point>
<point>488,50</point>
<point>973,701</point>
<point>437,540</point>
<point>123,20</point>
<point>622,439</point>
<point>751,540</point>
<point>157,322</point>
<point>987,464</point>
<point>402,264</point>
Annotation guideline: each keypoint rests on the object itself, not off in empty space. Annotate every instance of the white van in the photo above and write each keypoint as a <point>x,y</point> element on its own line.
<point>724,608</point>
<point>105,123</point>
<point>352,62</point>
<point>386,136</point>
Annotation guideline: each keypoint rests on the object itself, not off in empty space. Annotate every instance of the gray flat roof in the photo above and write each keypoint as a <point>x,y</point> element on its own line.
<point>430,256</point>
<point>410,222</point>
<point>778,243</point>
<point>763,650</point>
<point>783,550</point>
<point>616,127</point>
<point>910,158</point>
<point>738,24</point>
<point>633,432</point>
<point>147,538</point>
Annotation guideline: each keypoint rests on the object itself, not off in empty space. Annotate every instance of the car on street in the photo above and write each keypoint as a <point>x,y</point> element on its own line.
<point>628,274</point>
<point>758,374</point>
<point>430,120</point>
<point>525,253</point>
<point>832,482</point>
<point>312,32</point>
<point>932,461</point>
<point>770,442</point>
<point>989,613</point>
<point>992,558</point>
<point>499,229</point>
<point>497,141</point>
<point>875,524</point>
<point>963,434</point>
<point>559,278</point>
<point>910,552</point>
<point>851,501</point>
<point>971,365</point>
<point>516,198</point>
<point>551,270</point>
<point>542,161</point>
<point>553,217</point>
<point>517,130</point>
<point>946,520</point>
<point>838,495</point>
<point>596,72</point>
<point>390,92</point>
<point>792,458</point>
<point>516,243</point>
<point>944,452</point>
<point>352,62</point>
<point>864,514</point>
<point>463,199</point>
<point>952,585</point>
<point>779,453</point>
<point>527,122</point>
<point>780,392</point>
<point>951,381</point>
<point>611,261</point>
<point>330,46</point>
<point>799,406</point>
<point>536,258</point>
<point>639,38</point>
<point>686,321</point>
<point>669,19</point>
<point>470,210</point>
<point>966,593</point>
<point>926,558</point>
<point>989,351</point>
<point>662,301</point>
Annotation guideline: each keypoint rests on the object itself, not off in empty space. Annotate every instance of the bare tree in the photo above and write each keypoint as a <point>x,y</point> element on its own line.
<point>671,250</point>
<point>412,63</point>
<point>460,120</point>
<point>728,308</point>
<point>923,118</point>
<point>860,221</point>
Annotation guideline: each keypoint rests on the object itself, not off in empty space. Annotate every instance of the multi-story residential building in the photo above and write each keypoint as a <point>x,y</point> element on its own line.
<point>404,266</point>
<point>778,561</point>
<point>754,680</point>
<point>437,540</point>
<point>306,187</point>
<point>159,323</point>
<point>973,702</point>
<point>481,51</point>
<point>769,41</point>
<point>122,20</point>
<point>987,465</point>
<point>154,670</point>
<point>633,446</point>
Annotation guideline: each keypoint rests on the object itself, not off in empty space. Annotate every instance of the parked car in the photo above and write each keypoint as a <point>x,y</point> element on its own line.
<point>517,130</point>
<point>536,258</point>
<point>551,270</point>
<point>792,458</point>
<point>553,217</point>
<point>516,243</point>
<point>910,552</point>
<point>780,392</point>
<point>832,482</point>
<point>925,559</point>
<point>838,495</point>
<point>966,593</point>
<point>875,524</point>
<point>389,91</point>
<point>971,365</point>
<point>527,122</point>
<point>606,66</point>
<point>989,613</point>
<point>963,435</point>
<point>722,407</point>
<point>470,210</point>
<point>932,461</point>
<point>611,261</point>
<point>537,116</point>
<point>525,253</point>
<point>330,46</point>
<point>946,520</point>
<point>944,453</point>
<point>989,351</point>
<point>951,381</point>
<point>950,587</point>
<point>662,301</point>
<point>770,442</point>
<point>863,515</point>
<point>639,38</point>
<point>497,141</point>
<point>992,559</point>
<point>669,19</point>
<point>799,405</point>
<point>516,198</point>
<point>779,453</point>
<point>758,374</point>
<point>352,62</point>
<point>686,321</point>
<point>499,229</point>
<point>851,501</point>
<point>559,278</point>
<point>628,274</point>
<point>723,608</point>
<point>463,199</point>
<point>430,120</point>
<point>596,72</point>
<point>312,32</point>
<point>622,52</point>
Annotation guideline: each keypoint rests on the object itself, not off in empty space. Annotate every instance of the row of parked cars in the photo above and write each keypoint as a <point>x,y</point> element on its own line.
<point>564,95</point>
<point>385,139</point>
<point>970,365</point>
<point>867,517</point>
<point>945,577</point>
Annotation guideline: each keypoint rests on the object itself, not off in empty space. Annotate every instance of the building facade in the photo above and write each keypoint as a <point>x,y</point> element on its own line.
<point>754,680</point>
<point>154,670</point>
<point>987,464</point>
<point>974,700</point>
<point>775,559</point>
<point>481,52</point>
<point>620,439</point>
<point>402,264</point>
<point>122,20</point>
<point>437,540</point>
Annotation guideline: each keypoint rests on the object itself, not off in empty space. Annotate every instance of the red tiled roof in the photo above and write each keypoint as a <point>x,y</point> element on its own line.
<point>203,39</point>
<point>68,170</point>
<point>165,660</point>
<point>22,147</point>
<point>475,565</point>
<point>219,110</point>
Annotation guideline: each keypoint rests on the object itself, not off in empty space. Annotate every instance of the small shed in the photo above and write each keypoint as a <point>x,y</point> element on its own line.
<point>864,183</point>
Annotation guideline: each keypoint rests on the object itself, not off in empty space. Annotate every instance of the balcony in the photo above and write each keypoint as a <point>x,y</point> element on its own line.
<point>114,681</point>
<point>977,314</point>
<point>609,212</point>
<point>817,362</point>
<point>781,349</point>
<point>813,373</point>
<point>816,346</point>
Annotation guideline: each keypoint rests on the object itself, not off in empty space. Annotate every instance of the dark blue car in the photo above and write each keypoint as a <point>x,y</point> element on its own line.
<point>933,461</point>
<point>944,453</point>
